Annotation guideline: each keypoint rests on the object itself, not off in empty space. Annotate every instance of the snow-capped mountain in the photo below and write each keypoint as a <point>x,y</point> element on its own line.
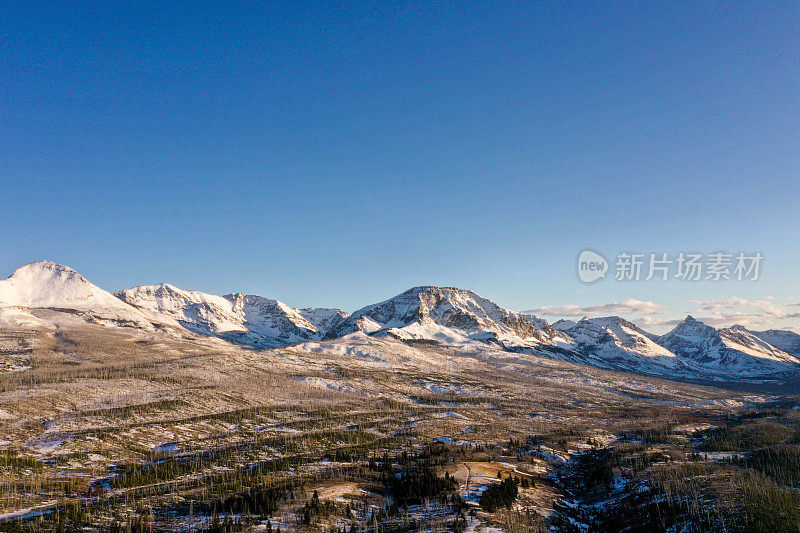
<point>563,324</point>
<point>613,342</point>
<point>46,293</point>
<point>788,341</point>
<point>323,318</point>
<point>728,351</point>
<point>271,319</point>
<point>240,318</point>
<point>48,285</point>
<point>448,315</point>
<point>197,311</point>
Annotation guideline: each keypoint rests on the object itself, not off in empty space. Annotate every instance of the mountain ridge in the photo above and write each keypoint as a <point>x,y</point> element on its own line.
<point>442,315</point>
<point>237,317</point>
<point>622,344</point>
<point>724,350</point>
<point>48,285</point>
<point>421,309</point>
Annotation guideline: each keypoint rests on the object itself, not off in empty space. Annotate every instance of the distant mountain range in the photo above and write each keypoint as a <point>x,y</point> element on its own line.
<point>240,318</point>
<point>433,315</point>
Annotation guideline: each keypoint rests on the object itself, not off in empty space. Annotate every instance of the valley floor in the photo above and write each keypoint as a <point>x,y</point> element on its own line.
<point>118,429</point>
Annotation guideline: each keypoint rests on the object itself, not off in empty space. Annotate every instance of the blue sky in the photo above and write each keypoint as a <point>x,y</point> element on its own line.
<point>336,155</point>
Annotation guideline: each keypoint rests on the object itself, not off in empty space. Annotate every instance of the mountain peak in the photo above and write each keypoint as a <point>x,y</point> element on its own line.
<point>46,284</point>
<point>49,285</point>
<point>692,327</point>
<point>443,312</point>
<point>563,324</point>
<point>46,263</point>
<point>237,317</point>
<point>606,320</point>
<point>726,349</point>
<point>617,343</point>
<point>436,289</point>
<point>168,287</point>
<point>786,340</point>
<point>44,267</point>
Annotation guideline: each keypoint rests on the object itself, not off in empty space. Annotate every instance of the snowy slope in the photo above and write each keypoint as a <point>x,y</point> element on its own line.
<point>613,342</point>
<point>273,319</point>
<point>448,315</point>
<point>788,341</point>
<point>241,318</point>
<point>563,324</point>
<point>734,352</point>
<point>37,292</point>
<point>324,319</point>
<point>745,341</point>
<point>48,285</point>
<point>200,312</point>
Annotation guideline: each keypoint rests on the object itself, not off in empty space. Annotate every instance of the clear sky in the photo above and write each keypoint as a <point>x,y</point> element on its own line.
<point>335,155</point>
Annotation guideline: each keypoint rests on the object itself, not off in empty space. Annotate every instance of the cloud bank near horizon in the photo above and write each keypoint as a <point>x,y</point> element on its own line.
<point>761,313</point>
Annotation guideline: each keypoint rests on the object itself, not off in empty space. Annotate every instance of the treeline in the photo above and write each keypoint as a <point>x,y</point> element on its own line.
<point>746,437</point>
<point>71,517</point>
<point>412,478</point>
<point>262,501</point>
<point>418,484</point>
<point>500,495</point>
<point>315,509</point>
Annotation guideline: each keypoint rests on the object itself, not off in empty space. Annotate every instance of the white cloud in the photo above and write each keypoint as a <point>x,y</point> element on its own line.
<point>630,307</point>
<point>649,322</point>
<point>764,305</point>
<point>759,313</point>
